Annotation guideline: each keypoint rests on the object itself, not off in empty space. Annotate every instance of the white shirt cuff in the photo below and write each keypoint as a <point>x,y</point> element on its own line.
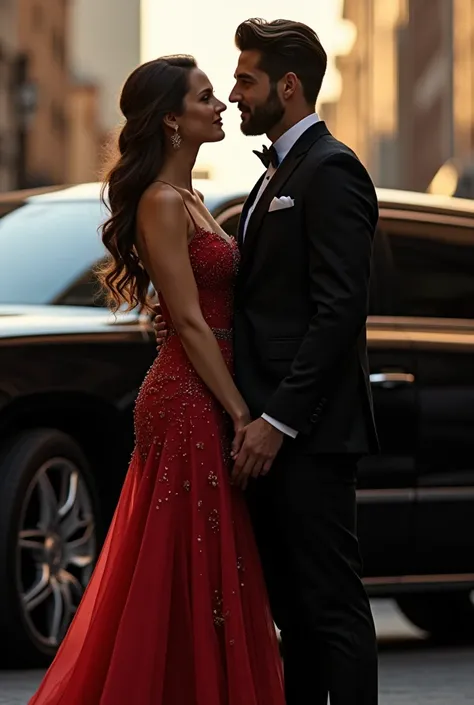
<point>280,426</point>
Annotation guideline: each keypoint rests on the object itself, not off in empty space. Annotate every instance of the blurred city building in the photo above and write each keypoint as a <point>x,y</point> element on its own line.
<point>105,48</point>
<point>407,100</point>
<point>366,114</point>
<point>34,92</point>
<point>62,63</point>
<point>16,98</point>
<point>85,133</point>
<point>7,56</point>
<point>42,30</point>
<point>436,104</point>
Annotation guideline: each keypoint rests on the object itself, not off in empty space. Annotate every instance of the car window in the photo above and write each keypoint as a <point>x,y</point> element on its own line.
<point>85,291</point>
<point>230,225</point>
<point>46,248</point>
<point>434,268</point>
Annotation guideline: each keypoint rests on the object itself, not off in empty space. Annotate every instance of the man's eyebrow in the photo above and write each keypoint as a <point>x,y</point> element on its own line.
<point>244,75</point>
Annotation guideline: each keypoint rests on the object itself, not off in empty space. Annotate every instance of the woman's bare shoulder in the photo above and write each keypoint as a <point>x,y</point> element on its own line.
<point>160,210</point>
<point>160,201</point>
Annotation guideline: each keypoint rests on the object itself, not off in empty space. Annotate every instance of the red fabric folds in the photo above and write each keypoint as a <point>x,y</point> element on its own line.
<point>176,612</point>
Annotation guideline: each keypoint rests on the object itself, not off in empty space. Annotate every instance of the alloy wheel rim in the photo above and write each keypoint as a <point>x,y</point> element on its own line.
<point>56,549</point>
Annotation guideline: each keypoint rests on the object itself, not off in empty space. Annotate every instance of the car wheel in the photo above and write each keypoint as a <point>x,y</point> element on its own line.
<point>447,617</point>
<point>48,542</point>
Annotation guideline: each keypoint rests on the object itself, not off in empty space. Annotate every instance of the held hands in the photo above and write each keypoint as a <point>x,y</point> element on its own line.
<point>254,449</point>
<point>255,444</point>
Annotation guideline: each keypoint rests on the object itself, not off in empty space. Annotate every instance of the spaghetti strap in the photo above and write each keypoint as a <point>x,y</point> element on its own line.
<point>160,181</point>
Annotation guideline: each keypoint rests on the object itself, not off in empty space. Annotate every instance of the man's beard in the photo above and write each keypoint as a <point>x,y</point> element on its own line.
<point>264,117</point>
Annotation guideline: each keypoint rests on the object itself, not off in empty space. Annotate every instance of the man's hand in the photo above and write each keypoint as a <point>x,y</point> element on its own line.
<point>159,324</point>
<point>240,424</point>
<point>261,443</point>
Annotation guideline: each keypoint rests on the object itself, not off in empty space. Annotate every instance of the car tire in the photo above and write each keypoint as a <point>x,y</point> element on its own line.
<point>49,523</point>
<point>447,617</point>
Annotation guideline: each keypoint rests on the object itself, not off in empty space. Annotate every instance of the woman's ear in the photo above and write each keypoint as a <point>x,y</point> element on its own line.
<point>170,121</point>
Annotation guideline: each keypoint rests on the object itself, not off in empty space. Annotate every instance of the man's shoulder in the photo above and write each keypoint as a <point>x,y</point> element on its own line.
<point>329,147</point>
<point>330,152</point>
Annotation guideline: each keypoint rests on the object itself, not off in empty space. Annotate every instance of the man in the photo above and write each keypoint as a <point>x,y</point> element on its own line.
<point>305,236</point>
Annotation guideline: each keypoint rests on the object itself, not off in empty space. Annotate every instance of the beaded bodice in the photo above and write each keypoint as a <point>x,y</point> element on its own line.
<point>215,263</point>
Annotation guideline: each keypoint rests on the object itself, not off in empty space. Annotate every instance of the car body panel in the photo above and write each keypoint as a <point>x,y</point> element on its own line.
<point>416,499</point>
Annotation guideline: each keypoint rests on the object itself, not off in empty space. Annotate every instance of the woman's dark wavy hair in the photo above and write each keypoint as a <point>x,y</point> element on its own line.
<point>285,47</point>
<point>152,91</point>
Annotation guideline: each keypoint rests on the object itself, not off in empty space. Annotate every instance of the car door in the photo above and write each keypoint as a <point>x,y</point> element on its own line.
<point>386,483</point>
<point>228,217</point>
<point>435,262</point>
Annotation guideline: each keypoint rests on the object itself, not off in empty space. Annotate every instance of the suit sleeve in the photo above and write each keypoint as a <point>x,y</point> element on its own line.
<point>340,216</point>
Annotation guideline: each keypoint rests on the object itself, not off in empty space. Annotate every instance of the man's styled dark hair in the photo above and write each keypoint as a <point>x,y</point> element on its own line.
<point>286,46</point>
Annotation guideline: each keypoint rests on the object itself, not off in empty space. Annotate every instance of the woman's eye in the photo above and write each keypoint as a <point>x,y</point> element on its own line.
<point>207,97</point>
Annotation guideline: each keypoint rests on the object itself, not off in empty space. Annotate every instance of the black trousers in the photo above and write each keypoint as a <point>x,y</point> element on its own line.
<point>304,516</point>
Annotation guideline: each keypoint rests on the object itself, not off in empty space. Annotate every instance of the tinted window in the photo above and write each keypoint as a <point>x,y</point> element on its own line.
<point>46,248</point>
<point>86,291</point>
<point>434,268</point>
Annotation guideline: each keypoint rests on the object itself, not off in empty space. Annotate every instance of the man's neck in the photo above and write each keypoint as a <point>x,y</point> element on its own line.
<point>287,123</point>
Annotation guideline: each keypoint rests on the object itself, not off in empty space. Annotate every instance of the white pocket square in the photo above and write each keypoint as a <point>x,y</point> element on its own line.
<point>279,204</point>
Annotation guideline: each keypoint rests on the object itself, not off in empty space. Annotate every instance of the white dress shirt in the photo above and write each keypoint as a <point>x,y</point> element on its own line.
<point>282,147</point>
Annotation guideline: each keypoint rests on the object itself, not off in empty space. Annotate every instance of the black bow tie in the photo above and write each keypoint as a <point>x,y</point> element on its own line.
<point>268,156</point>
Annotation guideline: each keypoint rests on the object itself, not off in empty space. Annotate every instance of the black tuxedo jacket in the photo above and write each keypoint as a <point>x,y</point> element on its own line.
<point>301,298</point>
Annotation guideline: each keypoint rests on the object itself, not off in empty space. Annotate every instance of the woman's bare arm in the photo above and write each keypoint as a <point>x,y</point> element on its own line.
<point>163,246</point>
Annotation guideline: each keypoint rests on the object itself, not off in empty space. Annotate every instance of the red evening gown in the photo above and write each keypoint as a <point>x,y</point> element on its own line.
<point>176,612</point>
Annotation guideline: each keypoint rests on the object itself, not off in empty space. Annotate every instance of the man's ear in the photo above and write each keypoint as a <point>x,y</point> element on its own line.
<point>290,83</point>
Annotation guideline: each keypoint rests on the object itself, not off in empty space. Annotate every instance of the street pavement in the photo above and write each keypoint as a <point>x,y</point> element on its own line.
<point>412,672</point>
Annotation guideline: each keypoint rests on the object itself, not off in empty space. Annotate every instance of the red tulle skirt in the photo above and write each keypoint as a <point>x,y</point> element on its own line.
<point>176,612</point>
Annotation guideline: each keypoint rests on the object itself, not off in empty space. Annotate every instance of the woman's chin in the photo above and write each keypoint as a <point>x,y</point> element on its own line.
<point>218,136</point>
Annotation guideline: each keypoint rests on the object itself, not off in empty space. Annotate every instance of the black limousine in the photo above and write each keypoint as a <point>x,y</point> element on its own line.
<point>70,371</point>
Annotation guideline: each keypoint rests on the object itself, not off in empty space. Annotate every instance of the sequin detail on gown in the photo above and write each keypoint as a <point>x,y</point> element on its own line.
<point>176,612</point>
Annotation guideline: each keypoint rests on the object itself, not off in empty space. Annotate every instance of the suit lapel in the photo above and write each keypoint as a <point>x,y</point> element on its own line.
<point>245,209</point>
<point>278,180</point>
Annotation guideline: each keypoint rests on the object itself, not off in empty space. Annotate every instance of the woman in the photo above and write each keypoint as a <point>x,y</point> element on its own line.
<point>176,612</point>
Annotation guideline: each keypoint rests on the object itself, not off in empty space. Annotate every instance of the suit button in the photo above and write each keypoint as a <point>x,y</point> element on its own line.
<point>314,417</point>
<point>320,405</point>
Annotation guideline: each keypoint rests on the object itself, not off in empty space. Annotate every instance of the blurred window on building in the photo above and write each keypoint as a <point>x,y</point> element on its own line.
<point>57,47</point>
<point>46,248</point>
<point>58,119</point>
<point>37,16</point>
<point>202,173</point>
<point>433,268</point>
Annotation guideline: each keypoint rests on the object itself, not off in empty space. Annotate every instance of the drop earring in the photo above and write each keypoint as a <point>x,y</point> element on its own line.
<point>176,138</point>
